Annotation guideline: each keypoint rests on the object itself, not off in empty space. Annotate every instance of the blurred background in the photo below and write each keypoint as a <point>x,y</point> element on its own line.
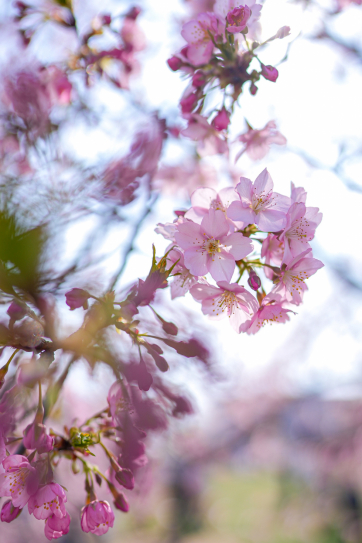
<point>273,451</point>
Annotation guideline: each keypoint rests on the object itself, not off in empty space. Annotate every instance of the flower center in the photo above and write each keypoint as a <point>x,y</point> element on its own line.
<point>212,246</point>
<point>262,201</point>
<point>298,230</point>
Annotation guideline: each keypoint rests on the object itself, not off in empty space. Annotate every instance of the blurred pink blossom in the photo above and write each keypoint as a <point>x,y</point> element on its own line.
<point>257,142</point>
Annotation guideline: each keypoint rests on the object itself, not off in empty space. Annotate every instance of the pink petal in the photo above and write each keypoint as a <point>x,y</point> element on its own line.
<point>238,245</point>
<point>221,266</point>
<point>214,224</point>
<point>244,189</point>
<point>237,212</point>
<point>195,261</point>
<point>263,183</point>
<point>203,197</point>
<point>271,221</point>
<point>188,235</point>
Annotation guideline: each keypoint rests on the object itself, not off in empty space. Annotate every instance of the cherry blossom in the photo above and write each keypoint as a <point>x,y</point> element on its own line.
<point>300,229</point>
<point>259,204</point>
<point>223,7</point>
<point>226,299</point>
<point>199,129</point>
<point>210,248</point>
<point>47,501</point>
<point>9,512</point>
<point>183,280</point>
<point>269,312</point>
<point>56,527</point>
<point>291,284</point>
<point>19,481</point>
<point>197,34</point>
<point>97,517</point>
<point>257,142</point>
<point>203,199</point>
<point>269,72</point>
<point>238,19</point>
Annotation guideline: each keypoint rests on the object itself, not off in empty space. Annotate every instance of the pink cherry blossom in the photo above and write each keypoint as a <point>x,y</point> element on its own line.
<point>291,284</point>
<point>204,199</point>
<point>35,436</point>
<point>259,204</point>
<point>56,527</point>
<point>269,312</point>
<point>77,297</point>
<point>226,299</point>
<point>184,280</point>
<point>174,63</point>
<point>97,517</point>
<point>300,229</point>
<point>223,7</point>
<point>9,512</point>
<point>272,250</point>
<point>199,129</point>
<point>269,72</point>
<point>197,34</point>
<point>19,481</point>
<point>297,194</point>
<point>47,501</point>
<point>222,120</point>
<point>210,248</point>
<point>257,142</point>
<point>238,19</point>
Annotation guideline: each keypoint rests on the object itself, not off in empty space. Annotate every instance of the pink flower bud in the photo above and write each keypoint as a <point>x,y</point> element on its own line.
<point>97,517</point>
<point>198,79</point>
<point>283,32</point>
<point>174,63</point>
<point>253,89</point>
<point>106,19</point>
<point>121,503</point>
<point>188,103</point>
<point>269,72</point>
<point>221,120</point>
<point>16,312</point>
<point>254,280</point>
<point>237,19</point>
<point>35,437</point>
<point>77,297</point>
<point>133,13</point>
<point>125,478</point>
<point>9,512</point>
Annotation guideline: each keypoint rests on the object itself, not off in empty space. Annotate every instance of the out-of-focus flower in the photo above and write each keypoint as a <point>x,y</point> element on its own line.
<point>197,34</point>
<point>238,19</point>
<point>97,517</point>
<point>199,129</point>
<point>77,297</point>
<point>269,72</point>
<point>223,7</point>
<point>16,312</point>
<point>257,142</point>
<point>222,120</point>
<point>226,299</point>
<point>272,250</point>
<point>35,436</point>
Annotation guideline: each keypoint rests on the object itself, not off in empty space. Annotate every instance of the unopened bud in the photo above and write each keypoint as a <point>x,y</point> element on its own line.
<point>254,280</point>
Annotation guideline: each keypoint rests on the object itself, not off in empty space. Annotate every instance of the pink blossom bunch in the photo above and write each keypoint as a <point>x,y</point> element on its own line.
<point>213,238</point>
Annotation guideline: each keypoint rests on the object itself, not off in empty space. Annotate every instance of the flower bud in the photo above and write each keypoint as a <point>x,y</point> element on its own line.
<point>16,312</point>
<point>222,120</point>
<point>121,503</point>
<point>77,297</point>
<point>125,478</point>
<point>269,72</point>
<point>198,79</point>
<point>253,89</point>
<point>254,280</point>
<point>174,63</point>
<point>9,512</point>
<point>188,103</point>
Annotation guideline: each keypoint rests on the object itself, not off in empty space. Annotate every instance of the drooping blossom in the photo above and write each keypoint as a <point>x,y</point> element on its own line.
<point>77,297</point>
<point>35,435</point>
<point>197,34</point>
<point>269,72</point>
<point>9,512</point>
<point>270,312</point>
<point>97,517</point>
<point>19,482</point>
<point>257,142</point>
<point>199,129</point>
<point>238,19</point>
<point>259,204</point>
<point>231,300</point>
<point>56,527</point>
<point>210,248</point>
<point>47,501</point>
<point>301,224</point>
<point>203,199</point>
<point>291,284</point>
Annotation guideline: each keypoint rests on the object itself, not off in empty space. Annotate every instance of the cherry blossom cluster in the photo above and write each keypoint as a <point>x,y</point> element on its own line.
<point>216,236</point>
<point>29,456</point>
<point>221,46</point>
